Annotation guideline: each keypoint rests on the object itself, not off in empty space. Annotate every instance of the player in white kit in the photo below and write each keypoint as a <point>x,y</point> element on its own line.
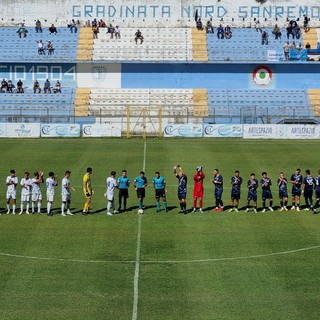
<point>51,182</point>
<point>111,185</point>
<point>25,192</point>
<point>11,182</point>
<point>36,195</point>
<point>66,194</point>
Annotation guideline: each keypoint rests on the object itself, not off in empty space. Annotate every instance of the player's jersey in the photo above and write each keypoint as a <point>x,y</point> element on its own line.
<point>65,186</point>
<point>296,180</point>
<point>318,183</point>
<point>218,181</point>
<point>252,185</point>
<point>309,183</point>
<point>282,184</point>
<point>159,183</point>
<point>111,185</point>
<point>198,181</point>
<point>140,182</point>
<point>123,182</point>
<point>236,184</point>
<point>183,181</point>
<point>266,184</point>
<point>26,186</point>
<point>35,186</point>
<point>87,184</point>
<point>12,187</point>
<point>50,183</point>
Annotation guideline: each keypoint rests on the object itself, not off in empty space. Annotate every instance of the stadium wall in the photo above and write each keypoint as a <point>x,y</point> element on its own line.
<point>287,75</point>
<point>173,13</point>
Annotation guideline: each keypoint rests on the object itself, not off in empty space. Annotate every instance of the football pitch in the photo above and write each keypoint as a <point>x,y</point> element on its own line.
<point>164,265</point>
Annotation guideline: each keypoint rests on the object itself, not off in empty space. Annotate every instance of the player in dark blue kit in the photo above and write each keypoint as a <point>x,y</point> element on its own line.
<point>123,184</point>
<point>252,185</point>
<point>182,187</point>
<point>218,184</point>
<point>308,185</point>
<point>266,191</point>
<point>236,182</point>
<point>140,184</point>
<point>283,192</point>
<point>159,184</point>
<point>296,180</point>
<point>317,191</point>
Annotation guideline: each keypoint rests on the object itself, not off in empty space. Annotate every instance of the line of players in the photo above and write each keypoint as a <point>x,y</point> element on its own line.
<point>31,191</point>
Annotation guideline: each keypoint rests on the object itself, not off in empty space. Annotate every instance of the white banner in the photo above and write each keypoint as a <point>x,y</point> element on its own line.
<point>183,130</point>
<point>298,131</point>
<point>101,130</point>
<point>260,131</point>
<point>222,131</point>
<point>22,130</point>
<point>60,130</point>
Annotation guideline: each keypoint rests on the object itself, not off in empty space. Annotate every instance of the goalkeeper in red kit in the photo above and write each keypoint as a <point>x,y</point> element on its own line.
<point>198,189</point>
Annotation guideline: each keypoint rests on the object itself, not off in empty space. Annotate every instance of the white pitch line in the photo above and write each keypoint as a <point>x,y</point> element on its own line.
<point>137,265</point>
<point>281,253</point>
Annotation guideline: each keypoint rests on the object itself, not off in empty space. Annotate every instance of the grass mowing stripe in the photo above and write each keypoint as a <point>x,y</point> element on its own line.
<point>137,266</point>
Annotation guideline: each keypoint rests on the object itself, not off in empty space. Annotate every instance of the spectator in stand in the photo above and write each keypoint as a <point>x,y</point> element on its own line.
<point>57,88</point>
<point>264,38</point>
<point>40,47</point>
<point>308,46</point>
<point>111,30</point>
<point>95,30</point>
<point>50,48</point>
<point>296,31</point>
<point>199,24</point>
<point>22,31</point>
<point>10,86</point>
<point>293,46</point>
<point>258,26</point>
<point>73,26</point>
<point>293,23</point>
<point>138,36</point>
<point>36,86</point>
<point>47,86</point>
<point>305,22</point>
<point>220,32</point>
<point>276,32</point>
<point>117,32</point>
<point>4,86</point>
<point>209,26</point>
<point>299,47</point>
<point>94,23</point>
<point>227,32</point>
<point>19,86</point>
<point>289,31</point>
<point>102,24</point>
<point>38,26</point>
<point>286,50</point>
<point>53,29</point>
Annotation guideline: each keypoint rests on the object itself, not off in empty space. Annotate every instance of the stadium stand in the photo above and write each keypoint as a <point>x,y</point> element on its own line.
<point>15,49</point>
<point>314,98</point>
<point>85,44</point>
<point>199,44</point>
<point>160,44</point>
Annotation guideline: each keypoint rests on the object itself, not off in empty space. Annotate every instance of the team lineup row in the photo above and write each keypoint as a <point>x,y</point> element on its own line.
<point>31,190</point>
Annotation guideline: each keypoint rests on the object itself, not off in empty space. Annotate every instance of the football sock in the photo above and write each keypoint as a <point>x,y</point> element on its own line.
<point>281,204</point>
<point>221,202</point>
<point>68,205</point>
<point>285,203</point>
<point>195,203</point>
<point>217,203</point>
<point>264,204</point>
<point>158,205</point>
<point>32,206</point>
<point>294,204</point>
<point>85,207</point>
<point>181,205</point>
<point>184,206</point>
<point>165,205</point>
<point>298,205</point>
<point>307,202</point>
<point>62,208</point>
<point>271,203</point>
<point>14,208</point>
<point>27,206</point>
<point>48,207</point>
<point>125,203</point>
<point>140,204</point>
<point>108,206</point>
<point>21,206</point>
<point>39,206</point>
<point>200,203</point>
<point>8,206</point>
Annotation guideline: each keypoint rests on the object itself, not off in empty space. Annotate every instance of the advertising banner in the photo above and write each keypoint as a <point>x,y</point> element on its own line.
<point>260,131</point>
<point>101,130</point>
<point>183,130</point>
<point>222,131</point>
<point>302,131</point>
<point>60,130</point>
<point>22,130</point>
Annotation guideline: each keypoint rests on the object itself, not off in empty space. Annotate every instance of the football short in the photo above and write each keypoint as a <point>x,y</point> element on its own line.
<point>50,197</point>
<point>283,194</point>
<point>11,194</point>
<point>182,194</point>
<point>218,193</point>
<point>123,193</point>
<point>85,194</point>
<point>198,193</point>
<point>160,193</point>
<point>110,196</point>
<point>36,197</point>
<point>252,196</point>
<point>66,197</point>
<point>235,195</point>
<point>266,194</point>
<point>308,193</point>
<point>296,192</point>
<point>141,193</point>
<point>25,197</point>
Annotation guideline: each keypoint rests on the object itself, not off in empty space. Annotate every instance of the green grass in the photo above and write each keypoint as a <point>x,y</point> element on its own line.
<point>195,266</point>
